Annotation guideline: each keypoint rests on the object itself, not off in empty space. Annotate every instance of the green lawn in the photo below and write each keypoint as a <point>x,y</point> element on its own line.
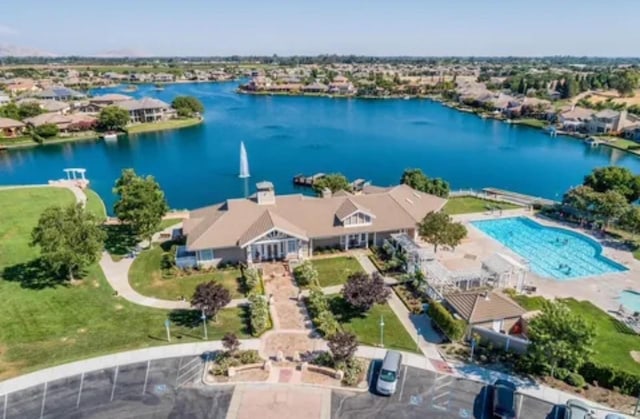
<point>145,276</point>
<point>45,321</point>
<point>335,271</point>
<point>613,340</point>
<point>470,204</point>
<point>169,222</point>
<point>163,125</point>
<point>531,122</point>
<point>95,204</point>
<point>367,327</point>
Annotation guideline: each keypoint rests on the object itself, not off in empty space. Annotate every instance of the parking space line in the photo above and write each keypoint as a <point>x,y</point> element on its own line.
<point>6,401</point>
<point>115,380</point>
<point>404,378</point>
<point>484,402</point>
<point>146,377</point>
<point>187,372</point>
<point>80,390</point>
<point>519,409</point>
<point>44,400</point>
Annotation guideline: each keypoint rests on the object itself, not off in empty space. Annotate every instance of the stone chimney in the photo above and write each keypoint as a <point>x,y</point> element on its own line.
<point>266,194</point>
<point>326,193</point>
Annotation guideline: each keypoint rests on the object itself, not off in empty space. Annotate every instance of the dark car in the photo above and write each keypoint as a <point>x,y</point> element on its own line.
<point>504,399</point>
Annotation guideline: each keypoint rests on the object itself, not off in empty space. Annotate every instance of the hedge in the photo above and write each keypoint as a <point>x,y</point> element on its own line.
<point>454,329</point>
<point>611,377</point>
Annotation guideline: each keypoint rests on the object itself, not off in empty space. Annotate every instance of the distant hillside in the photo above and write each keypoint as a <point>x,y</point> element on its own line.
<point>122,53</point>
<point>7,50</point>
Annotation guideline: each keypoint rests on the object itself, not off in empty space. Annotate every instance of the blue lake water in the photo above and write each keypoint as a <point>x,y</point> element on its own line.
<point>372,139</point>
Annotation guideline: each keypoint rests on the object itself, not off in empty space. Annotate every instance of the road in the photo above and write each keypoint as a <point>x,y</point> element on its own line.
<point>172,388</point>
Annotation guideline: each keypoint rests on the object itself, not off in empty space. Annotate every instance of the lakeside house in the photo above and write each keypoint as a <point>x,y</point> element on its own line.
<point>10,128</point>
<point>147,109</point>
<point>575,118</point>
<point>60,93</point>
<point>48,105</point>
<point>488,310</point>
<point>109,99</point>
<point>73,122</point>
<point>270,227</point>
<point>609,121</point>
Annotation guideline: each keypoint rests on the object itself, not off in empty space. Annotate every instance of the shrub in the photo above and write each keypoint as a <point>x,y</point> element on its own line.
<point>453,328</point>
<point>222,363</point>
<point>362,291</point>
<point>610,377</point>
<point>230,343</point>
<point>250,278</point>
<point>561,373</point>
<point>352,369</point>
<point>575,379</point>
<point>322,317</point>
<point>343,345</point>
<point>258,314</point>
<point>168,261</point>
<point>306,274</point>
<point>249,356</point>
<point>47,130</point>
<point>326,323</point>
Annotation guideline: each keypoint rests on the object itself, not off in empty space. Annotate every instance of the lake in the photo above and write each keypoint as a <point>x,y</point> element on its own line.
<point>284,136</point>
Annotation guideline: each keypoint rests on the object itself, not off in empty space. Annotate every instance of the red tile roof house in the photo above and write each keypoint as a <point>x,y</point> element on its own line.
<point>286,227</point>
<point>10,128</point>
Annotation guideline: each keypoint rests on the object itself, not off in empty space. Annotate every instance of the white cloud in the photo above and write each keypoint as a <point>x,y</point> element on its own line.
<point>7,30</point>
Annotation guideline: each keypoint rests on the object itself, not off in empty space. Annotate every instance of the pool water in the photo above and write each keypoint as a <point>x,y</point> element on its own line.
<point>551,252</point>
<point>630,300</point>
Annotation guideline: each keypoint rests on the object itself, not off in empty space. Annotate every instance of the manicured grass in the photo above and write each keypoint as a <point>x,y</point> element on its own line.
<point>145,276</point>
<point>95,204</point>
<point>46,321</point>
<point>367,327</point>
<point>471,204</point>
<point>335,271</point>
<point>163,125</point>
<point>613,341</point>
<point>169,222</point>
<point>531,122</point>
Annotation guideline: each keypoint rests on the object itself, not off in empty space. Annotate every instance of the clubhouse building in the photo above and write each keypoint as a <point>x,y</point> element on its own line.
<point>267,227</point>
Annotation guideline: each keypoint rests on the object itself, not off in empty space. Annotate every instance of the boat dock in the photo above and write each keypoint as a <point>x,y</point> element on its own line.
<point>308,181</point>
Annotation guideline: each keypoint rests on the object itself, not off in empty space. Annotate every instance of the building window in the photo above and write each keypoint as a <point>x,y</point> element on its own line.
<point>357,219</point>
<point>205,255</point>
<point>292,246</point>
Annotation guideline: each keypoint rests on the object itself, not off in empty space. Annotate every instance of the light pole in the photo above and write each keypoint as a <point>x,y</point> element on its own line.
<point>204,323</point>
<point>382,331</point>
<point>167,323</point>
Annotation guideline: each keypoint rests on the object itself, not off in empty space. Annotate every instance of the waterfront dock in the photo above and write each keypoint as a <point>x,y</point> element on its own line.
<point>302,180</point>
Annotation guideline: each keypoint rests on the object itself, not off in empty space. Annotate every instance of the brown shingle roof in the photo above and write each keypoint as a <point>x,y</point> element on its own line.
<point>231,223</point>
<point>267,222</point>
<point>10,123</point>
<point>475,307</point>
<point>348,207</point>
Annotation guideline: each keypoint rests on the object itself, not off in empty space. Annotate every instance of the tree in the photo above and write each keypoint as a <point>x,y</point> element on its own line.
<point>187,106</point>
<point>559,339</point>
<point>581,200</point>
<point>610,205</point>
<point>439,228</point>
<point>141,203</point>
<point>47,130</point>
<point>416,179</point>
<point>70,239</point>
<point>630,219</point>
<point>113,118</point>
<point>306,274</point>
<point>343,346</point>
<point>455,232</point>
<point>230,343</point>
<point>29,110</point>
<point>362,291</point>
<point>334,182</point>
<point>11,111</point>
<point>619,179</point>
<point>625,82</point>
<point>210,297</point>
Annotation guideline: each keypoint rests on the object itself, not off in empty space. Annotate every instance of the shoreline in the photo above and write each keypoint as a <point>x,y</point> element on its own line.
<point>137,129</point>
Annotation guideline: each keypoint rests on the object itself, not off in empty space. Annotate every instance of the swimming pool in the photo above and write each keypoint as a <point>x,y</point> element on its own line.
<point>552,252</point>
<point>630,300</point>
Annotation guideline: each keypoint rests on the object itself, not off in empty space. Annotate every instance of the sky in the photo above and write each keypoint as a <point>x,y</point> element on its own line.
<point>302,27</point>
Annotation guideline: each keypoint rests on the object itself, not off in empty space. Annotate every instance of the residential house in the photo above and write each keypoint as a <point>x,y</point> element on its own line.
<point>73,122</point>
<point>315,88</point>
<point>147,109</point>
<point>268,227</point>
<point>48,105</point>
<point>17,86</point>
<point>60,93</point>
<point>163,78</point>
<point>342,86</point>
<point>139,77</point>
<point>609,121</point>
<point>575,118</point>
<point>10,128</point>
<point>109,99</point>
<point>632,133</point>
<point>4,99</point>
<point>486,309</point>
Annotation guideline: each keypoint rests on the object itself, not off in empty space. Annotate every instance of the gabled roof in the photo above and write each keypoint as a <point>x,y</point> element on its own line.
<point>144,103</point>
<point>10,123</point>
<point>267,222</point>
<point>349,207</point>
<point>479,307</point>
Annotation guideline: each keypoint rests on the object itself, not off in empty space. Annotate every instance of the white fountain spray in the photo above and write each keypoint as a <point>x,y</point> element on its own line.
<point>244,162</point>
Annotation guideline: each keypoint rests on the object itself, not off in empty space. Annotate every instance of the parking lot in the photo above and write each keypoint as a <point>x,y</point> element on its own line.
<point>423,394</point>
<point>172,388</point>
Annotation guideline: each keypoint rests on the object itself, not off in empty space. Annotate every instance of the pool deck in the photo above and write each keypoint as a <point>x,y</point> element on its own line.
<point>602,290</point>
